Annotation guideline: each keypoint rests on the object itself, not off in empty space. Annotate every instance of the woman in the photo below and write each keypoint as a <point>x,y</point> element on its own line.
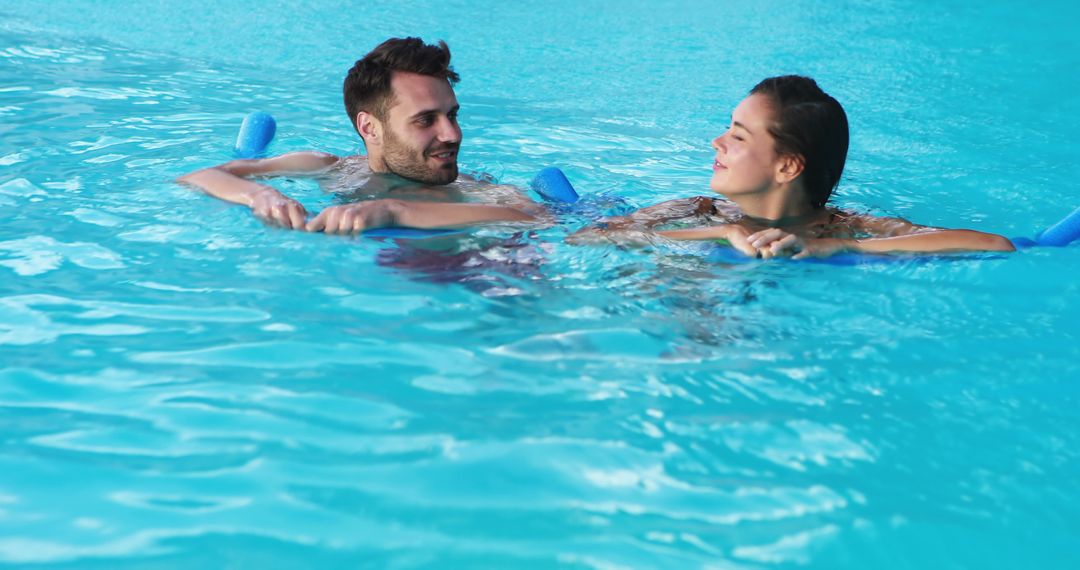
<point>777,165</point>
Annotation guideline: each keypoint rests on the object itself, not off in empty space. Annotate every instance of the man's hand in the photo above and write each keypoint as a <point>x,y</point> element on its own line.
<point>275,208</point>
<point>355,218</point>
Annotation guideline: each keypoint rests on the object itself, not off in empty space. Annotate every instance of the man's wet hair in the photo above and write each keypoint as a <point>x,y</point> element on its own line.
<point>367,86</point>
<point>808,123</point>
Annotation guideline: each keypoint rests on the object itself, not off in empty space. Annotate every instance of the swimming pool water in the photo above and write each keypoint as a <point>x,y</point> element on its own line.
<point>182,387</point>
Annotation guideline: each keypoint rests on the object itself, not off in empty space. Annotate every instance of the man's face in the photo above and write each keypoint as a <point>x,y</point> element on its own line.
<point>422,135</point>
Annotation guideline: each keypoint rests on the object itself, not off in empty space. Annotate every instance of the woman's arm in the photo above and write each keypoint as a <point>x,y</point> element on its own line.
<point>734,234</point>
<point>637,226</point>
<point>933,241</point>
<point>775,242</point>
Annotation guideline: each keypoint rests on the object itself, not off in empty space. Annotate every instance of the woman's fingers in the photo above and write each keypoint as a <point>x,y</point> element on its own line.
<point>765,237</point>
<point>739,242</point>
<point>787,244</point>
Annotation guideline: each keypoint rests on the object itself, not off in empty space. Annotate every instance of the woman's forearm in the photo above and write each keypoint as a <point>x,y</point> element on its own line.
<point>930,242</point>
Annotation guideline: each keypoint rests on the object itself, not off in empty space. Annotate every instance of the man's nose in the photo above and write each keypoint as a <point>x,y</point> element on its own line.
<point>449,131</point>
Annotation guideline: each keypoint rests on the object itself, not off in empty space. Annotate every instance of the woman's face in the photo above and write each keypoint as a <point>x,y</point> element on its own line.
<point>746,161</point>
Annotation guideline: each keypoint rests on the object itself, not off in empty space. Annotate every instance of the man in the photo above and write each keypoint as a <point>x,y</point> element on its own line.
<point>400,99</point>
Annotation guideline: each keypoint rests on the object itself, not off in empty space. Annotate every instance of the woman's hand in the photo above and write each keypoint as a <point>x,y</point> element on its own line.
<point>739,238</point>
<point>275,208</point>
<point>775,242</point>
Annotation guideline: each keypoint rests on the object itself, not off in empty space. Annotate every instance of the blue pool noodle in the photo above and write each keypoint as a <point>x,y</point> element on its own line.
<point>408,233</point>
<point>551,185</point>
<point>1062,233</point>
<point>255,135</point>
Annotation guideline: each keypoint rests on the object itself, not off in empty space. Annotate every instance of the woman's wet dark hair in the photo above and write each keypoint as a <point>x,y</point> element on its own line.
<point>811,124</point>
<point>367,85</point>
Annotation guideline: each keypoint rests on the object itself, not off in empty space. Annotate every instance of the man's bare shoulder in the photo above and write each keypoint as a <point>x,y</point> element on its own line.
<point>347,174</point>
<point>353,161</point>
<point>304,163</point>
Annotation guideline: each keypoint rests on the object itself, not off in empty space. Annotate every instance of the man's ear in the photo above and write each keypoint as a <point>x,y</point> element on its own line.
<point>789,167</point>
<point>369,127</point>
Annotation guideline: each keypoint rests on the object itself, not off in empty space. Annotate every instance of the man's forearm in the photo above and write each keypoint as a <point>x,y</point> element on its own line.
<point>224,185</point>
<point>226,181</point>
<point>429,215</point>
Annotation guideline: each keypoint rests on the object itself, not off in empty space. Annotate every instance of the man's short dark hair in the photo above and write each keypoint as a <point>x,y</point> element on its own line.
<point>367,86</point>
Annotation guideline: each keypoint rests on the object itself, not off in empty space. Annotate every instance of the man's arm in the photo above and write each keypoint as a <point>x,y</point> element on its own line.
<point>353,218</point>
<point>227,182</point>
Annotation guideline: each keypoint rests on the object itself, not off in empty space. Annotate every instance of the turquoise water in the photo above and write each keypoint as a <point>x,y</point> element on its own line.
<point>183,387</point>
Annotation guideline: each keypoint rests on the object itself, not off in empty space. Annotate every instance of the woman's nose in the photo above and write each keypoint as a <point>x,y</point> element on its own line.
<point>718,142</point>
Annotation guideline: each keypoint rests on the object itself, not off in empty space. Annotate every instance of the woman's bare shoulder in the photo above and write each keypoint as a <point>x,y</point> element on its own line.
<point>868,225</point>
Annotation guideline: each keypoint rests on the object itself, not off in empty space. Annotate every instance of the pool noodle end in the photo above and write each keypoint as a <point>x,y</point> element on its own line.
<point>551,185</point>
<point>1062,233</point>
<point>256,132</point>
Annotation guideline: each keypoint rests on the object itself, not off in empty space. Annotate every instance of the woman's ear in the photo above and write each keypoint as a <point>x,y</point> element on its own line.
<point>789,167</point>
<point>369,127</point>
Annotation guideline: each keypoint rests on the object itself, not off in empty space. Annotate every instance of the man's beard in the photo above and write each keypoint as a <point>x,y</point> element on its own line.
<point>411,163</point>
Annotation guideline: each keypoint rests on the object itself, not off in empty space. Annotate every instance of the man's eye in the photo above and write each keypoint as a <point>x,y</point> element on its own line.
<point>424,121</point>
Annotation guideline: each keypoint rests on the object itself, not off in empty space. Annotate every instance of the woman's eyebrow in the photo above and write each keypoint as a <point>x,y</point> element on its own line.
<point>742,126</point>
